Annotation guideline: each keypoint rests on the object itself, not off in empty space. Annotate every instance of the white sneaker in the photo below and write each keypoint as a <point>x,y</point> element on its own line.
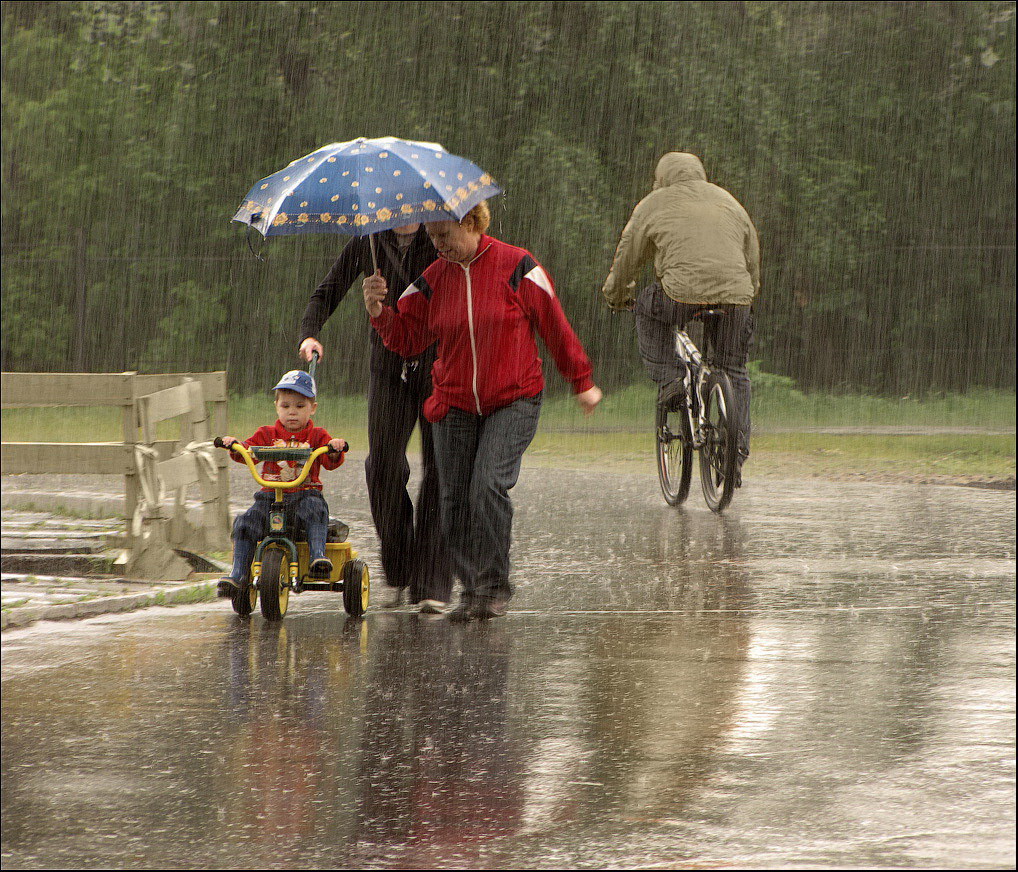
<point>397,599</point>
<point>432,607</point>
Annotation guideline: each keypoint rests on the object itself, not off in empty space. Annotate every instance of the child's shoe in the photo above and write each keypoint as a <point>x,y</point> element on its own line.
<point>227,586</point>
<point>321,567</point>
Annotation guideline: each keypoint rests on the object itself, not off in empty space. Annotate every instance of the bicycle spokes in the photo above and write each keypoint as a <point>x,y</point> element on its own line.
<point>718,453</point>
<point>674,454</point>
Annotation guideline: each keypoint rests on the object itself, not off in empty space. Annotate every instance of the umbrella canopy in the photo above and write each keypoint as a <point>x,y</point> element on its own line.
<point>365,186</point>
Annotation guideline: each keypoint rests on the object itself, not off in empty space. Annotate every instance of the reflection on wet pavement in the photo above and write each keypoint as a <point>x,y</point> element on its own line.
<point>825,677</point>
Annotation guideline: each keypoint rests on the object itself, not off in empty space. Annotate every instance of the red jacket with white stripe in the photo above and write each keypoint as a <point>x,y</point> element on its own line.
<point>483,315</point>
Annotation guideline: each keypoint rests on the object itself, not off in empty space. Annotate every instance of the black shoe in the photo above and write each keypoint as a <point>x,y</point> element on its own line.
<point>738,478</point>
<point>320,568</point>
<point>490,608</point>
<point>227,586</point>
<point>672,396</point>
<point>337,531</point>
<point>463,613</point>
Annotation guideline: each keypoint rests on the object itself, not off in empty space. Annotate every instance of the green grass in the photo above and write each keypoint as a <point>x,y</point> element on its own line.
<point>618,435</point>
<point>801,455</point>
<point>778,405</point>
<point>16,604</point>
<point>339,415</point>
<point>775,407</point>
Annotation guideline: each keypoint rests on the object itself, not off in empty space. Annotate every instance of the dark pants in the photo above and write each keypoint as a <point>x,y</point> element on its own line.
<point>413,552</point>
<point>728,342</point>
<point>253,526</point>
<point>479,458</point>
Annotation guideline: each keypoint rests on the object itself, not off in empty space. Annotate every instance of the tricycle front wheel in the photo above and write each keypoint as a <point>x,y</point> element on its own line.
<point>274,584</point>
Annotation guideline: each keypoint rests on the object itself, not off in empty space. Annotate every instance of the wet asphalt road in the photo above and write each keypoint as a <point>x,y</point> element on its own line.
<point>824,677</point>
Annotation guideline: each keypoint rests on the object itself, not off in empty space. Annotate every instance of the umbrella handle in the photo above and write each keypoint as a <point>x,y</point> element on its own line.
<point>374,253</point>
<point>313,365</point>
<point>257,254</point>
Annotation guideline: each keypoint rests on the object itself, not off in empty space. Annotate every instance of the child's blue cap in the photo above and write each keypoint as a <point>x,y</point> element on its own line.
<point>299,381</point>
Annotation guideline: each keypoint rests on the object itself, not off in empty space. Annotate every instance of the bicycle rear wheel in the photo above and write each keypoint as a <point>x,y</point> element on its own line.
<point>719,454</point>
<point>674,454</point>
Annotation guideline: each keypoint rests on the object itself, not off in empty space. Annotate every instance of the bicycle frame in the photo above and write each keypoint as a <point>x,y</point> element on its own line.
<point>696,374</point>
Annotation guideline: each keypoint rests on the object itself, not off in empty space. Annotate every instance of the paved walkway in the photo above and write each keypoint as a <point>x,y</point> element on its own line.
<point>56,567</point>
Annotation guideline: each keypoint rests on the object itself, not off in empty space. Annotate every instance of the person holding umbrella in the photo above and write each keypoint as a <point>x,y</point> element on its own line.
<point>413,554</point>
<point>482,302</point>
<point>380,191</point>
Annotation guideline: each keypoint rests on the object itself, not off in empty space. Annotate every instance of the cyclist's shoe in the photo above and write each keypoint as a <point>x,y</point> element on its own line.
<point>320,568</point>
<point>227,586</point>
<point>672,396</point>
<point>743,455</point>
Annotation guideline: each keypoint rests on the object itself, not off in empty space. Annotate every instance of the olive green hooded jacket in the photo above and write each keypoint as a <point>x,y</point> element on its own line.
<point>704,245</point>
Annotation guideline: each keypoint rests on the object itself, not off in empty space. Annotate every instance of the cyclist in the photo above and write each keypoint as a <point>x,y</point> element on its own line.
<point>706,256</point>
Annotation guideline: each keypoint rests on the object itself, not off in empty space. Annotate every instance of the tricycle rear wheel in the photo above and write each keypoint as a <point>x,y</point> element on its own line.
<point>356,588</point>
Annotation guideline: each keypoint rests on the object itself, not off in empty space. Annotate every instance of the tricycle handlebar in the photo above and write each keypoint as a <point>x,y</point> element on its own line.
<point>261,453</point>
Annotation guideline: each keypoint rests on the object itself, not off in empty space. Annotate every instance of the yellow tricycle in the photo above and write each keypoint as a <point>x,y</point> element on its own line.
<point>281,559</point>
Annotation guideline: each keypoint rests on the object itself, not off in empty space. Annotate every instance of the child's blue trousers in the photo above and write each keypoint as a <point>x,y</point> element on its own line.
<point>253,526</point>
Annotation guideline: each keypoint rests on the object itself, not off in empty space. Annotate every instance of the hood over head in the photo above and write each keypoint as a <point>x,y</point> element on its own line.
<point>677,167</point>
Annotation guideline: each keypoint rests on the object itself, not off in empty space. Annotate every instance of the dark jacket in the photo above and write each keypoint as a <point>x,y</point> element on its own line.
<point>355,261</point>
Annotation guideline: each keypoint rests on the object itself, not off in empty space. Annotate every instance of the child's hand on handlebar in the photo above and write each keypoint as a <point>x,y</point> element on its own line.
<point>225,441</point>
<point>338,445</point>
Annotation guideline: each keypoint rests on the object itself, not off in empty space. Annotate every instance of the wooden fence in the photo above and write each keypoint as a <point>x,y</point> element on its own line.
<point>152,467</point>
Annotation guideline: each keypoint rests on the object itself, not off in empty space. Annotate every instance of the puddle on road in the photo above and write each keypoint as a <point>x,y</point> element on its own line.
<point>669,689</point>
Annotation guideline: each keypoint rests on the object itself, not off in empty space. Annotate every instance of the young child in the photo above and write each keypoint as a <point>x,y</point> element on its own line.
<point>295,404</point>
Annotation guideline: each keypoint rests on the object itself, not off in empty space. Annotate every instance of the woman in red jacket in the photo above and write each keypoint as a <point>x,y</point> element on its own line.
<point>482,301</point>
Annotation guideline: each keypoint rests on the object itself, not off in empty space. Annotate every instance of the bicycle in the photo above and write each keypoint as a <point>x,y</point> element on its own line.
<point>702,423</point>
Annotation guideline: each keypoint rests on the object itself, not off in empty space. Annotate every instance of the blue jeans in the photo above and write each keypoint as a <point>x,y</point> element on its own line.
<point>253,526</point>
<point>478,459</point>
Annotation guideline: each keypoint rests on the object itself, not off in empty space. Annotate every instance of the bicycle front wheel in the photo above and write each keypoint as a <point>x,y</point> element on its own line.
<point>719,453</point>
<point>674,454</point>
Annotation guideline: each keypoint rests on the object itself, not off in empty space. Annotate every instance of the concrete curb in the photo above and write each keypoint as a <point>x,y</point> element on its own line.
<point>96,505</point>
<point>78,505</point>
<point>81,505</point>
<point>180,594</point>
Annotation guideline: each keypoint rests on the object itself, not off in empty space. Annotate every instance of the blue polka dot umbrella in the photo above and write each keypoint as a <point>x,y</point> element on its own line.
<point>365,186</point>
